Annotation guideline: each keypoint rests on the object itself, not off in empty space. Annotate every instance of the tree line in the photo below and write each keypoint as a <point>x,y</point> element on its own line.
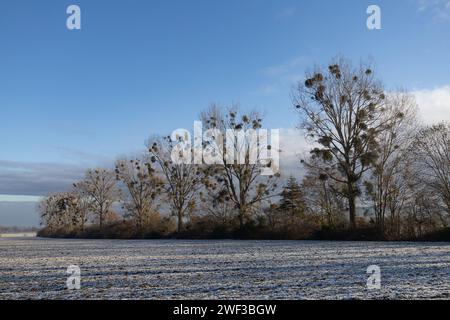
<point>373,171</point>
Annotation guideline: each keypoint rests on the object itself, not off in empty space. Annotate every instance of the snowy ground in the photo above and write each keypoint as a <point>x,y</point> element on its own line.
<point>18,235</point>
<point>115,269</point>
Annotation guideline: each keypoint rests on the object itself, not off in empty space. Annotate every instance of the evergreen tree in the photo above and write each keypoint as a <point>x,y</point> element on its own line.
<point>292,201</point>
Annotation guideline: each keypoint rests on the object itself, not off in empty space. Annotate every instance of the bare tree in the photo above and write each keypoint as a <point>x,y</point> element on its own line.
<point>100,187</point>
<point>84,208</point>
<point>421,216</point>
<point>341,108</point>
<point>62,211</point>
<point>386,186</point>
<point>181,178</point>
<point>49,210</point>
<point>431,151</point>
<point>238,160</point>
<point>142,188</point>
<point>322,194</point>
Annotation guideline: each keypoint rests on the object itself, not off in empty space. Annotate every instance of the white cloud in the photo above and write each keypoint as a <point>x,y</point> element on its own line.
<point>81,156</point>
<point>268,89</point>
<point>440,9</point>
<point>286,12</point>
<point>294,147</point>
<point>434,104</point>
<point>287,68</point>
<point>283,76</point>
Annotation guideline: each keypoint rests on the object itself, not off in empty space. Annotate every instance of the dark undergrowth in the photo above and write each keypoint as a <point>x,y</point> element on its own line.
<point>125,230</point>
<point>437,236</point>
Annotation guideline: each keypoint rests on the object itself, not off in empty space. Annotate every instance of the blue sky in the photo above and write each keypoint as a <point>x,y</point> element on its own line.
<point>71,99</point>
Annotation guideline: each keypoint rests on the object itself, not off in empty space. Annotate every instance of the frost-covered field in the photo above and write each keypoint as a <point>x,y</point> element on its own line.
<point>117,269</point>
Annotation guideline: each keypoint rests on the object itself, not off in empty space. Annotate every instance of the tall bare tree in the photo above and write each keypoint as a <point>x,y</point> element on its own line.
<point>422,214</point>
<point>431,151</point>
<point>99,185</point>
<point>341,107</point>
<point>386,183</point>
<point>238,160</point>
<point>181,178</point>
<point>142,188</point>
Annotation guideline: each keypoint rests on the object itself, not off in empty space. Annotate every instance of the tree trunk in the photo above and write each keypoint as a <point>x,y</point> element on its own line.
<point>241,219</point>
<point>352,210</point>
<point>180,222</point>
<point>328,208</point>
<point>101,215</point>
<point>101,220</point>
